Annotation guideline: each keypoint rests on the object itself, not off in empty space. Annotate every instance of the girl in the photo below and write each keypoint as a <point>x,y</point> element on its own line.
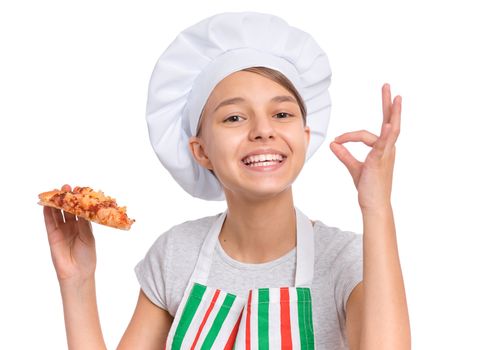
<point>237,103</point>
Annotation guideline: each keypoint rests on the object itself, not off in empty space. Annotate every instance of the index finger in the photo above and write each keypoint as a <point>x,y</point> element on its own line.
<point>386,101</point>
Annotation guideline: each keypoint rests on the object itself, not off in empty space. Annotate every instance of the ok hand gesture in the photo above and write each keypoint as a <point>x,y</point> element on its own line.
<point>373,177</point>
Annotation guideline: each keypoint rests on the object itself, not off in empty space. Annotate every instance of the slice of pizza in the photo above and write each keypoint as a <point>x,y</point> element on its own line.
<point>88,204</point>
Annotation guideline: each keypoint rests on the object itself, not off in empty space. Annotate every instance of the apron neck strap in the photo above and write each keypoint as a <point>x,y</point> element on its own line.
<point>305,251</point>
<point>205,259</point>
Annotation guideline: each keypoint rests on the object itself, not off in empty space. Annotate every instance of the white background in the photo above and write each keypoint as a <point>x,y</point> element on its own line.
<point>73,83</point>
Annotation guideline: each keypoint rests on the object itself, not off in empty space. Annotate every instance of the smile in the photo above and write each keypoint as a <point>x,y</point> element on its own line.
<point>263,160</point>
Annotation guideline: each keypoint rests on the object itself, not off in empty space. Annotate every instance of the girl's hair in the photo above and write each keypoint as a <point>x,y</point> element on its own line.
<point>281,79</point>
<point>277,77</point>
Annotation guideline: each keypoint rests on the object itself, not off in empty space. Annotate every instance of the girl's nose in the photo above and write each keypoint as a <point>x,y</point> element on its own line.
<point>262,128</point>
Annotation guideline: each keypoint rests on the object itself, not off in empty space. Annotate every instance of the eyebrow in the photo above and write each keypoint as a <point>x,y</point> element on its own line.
<point>237,100</point>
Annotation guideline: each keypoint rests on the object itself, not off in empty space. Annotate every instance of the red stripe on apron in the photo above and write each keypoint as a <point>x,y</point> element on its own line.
<point>247,330</point>
<point>231,340</point>
<point>286,341</point>
<point>208,311</point>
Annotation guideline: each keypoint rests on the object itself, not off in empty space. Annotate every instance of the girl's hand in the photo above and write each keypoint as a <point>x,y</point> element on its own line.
<point>72,244</point>
<point>373,178</point>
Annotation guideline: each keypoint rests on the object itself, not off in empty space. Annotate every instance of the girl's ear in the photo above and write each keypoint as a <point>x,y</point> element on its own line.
<point>308,135</point>
<point>196,146</point>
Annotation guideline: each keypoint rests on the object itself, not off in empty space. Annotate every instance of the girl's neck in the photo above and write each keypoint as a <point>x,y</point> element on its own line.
<point>259,231</point>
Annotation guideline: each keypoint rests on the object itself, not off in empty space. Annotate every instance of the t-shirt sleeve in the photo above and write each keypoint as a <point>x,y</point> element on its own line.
<point>151,271</point>
<point>348,269</point>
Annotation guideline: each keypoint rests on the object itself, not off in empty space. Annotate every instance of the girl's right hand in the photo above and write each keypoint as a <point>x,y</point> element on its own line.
<point>72,245</point>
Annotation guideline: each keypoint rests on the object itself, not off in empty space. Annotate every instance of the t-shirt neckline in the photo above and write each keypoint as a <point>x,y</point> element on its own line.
<point>251,266</point>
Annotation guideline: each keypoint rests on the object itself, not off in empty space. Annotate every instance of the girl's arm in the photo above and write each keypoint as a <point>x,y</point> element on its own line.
<point>72,247</point>
<point>385,321</point>
<point>148,328</point>
<point>82,323</point>
<point>377,313</point>
<point>73,253</point>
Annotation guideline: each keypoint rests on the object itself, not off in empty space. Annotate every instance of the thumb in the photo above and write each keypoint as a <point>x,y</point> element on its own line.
<point>351,163</point>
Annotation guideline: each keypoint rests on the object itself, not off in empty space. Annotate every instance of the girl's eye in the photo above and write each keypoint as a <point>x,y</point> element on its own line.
<point>233,118</point>
<point>283,115</point>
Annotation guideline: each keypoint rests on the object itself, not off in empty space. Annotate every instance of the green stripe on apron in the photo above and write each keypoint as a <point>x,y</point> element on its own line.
<point>310,336</point>
<point>195,297</point>
<point>302,317</point>
<point>218,321</point>
<point>305,318</point>
<point>263,319</point>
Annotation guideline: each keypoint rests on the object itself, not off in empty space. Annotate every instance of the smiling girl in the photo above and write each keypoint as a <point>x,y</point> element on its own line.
<point>261,274</point>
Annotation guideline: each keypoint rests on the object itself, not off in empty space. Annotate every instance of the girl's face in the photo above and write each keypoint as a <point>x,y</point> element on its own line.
<point>252,136</point>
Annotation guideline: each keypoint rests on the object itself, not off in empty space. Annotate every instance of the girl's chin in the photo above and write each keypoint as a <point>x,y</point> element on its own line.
<point>259,191</point>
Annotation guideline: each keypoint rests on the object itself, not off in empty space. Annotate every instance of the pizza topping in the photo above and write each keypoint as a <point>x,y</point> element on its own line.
<point>89,204</point>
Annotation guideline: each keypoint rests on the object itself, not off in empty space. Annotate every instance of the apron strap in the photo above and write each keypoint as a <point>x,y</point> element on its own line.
<point>305,251</point>
<point>203,265</point>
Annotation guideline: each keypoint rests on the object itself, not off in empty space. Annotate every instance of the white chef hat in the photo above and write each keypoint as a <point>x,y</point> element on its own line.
<point>204,54</point>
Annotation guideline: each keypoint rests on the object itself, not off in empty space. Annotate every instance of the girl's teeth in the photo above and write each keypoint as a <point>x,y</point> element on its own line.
<point>263,158</point>
<point>263,163</point>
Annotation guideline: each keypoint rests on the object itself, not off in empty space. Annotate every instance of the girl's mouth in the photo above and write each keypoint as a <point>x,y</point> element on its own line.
<point>263,160</point>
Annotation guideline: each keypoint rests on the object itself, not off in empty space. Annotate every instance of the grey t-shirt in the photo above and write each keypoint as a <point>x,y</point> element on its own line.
<point>165,271</point>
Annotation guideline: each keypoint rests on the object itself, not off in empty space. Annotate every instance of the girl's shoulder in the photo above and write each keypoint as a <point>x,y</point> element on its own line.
<point>335,244</point>
<point>167,266</point>
<point>328,233</point>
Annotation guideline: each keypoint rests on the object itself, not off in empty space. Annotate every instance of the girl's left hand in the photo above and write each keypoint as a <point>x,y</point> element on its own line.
<point>373,178</point>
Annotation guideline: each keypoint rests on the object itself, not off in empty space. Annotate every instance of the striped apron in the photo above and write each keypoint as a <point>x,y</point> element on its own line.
<point>269,318</point>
